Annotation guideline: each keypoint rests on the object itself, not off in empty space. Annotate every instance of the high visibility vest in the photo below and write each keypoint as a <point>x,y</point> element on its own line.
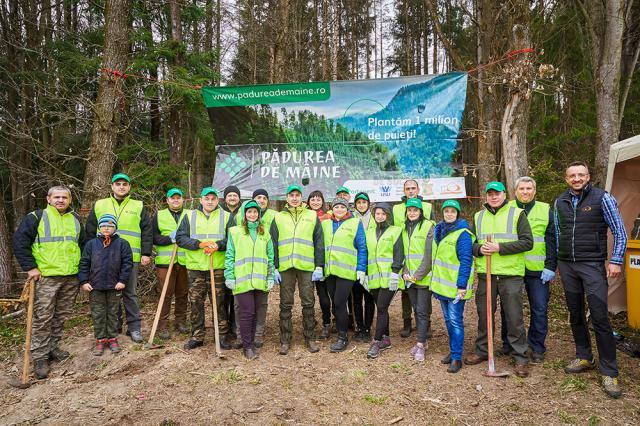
<point>370,225</point>
<point>400,213</point>
<point>166,225</point>
<point>446,265</point>
<point>251,261</point>
<point>538,220</point>
<point>55,248</point>
<point>414,248</point>
<point>380,252</point>
<point>205,228</point>
<point>340,255</point>
<point>503,226</point>
<point>295,239</point>
<point>128,214</point>
<point>267,217</point>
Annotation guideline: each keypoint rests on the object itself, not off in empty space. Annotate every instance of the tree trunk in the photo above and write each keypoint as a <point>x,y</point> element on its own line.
<point>6,269</point>
<point>106,126</point>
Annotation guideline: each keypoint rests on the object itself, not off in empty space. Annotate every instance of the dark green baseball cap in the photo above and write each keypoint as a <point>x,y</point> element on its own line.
<point>174,191</point>
<point>414,202</point>
<point>292,188</point>
<point>120,176</point>
<point>209,190</point>
<point>342,189</point>
<point>451,203</point>
<point>495,186</point>
<point>362,196</point>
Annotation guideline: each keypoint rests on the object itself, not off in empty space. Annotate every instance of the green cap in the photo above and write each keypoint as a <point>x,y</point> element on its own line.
<point>174,191</point>
<point>451,203</point>
<point>251,204</point>
<point>209,190</point>
<point>119,176</point>
<point>292,188</point>
<point>362,196</point>
<point>495,186</point>
<point>414,202</point>
<point>342,189</point>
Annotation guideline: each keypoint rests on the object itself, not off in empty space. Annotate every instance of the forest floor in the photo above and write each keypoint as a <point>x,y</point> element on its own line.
<point>170,386</point>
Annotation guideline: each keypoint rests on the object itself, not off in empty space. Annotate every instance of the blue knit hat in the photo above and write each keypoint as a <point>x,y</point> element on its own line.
<point>107,219</point>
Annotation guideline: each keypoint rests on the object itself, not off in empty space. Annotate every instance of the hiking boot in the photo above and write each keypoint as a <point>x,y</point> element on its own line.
<point>326,332</point>
<point>312,346</point>
<point>340,344</point>
<point>366,336</point>
<point>258,341</point>
<point>238,344</point>
<point>521,370</point>
<point>536,357</point>
<point>250,353</point>
<point>58,355</point>
<point>446,359</point>
<point>474,359</point>
<point>357,337</point>
<point>374,350</point>
<point>99,349</point>
<point>164,334</point>
<point>284,349</point>
<point>192,344</point>
<point>579,366</point>
<point>182,328</point>
<point>406,331</point>
<point>503,351</point>
<point>225,342</point>
<point>41,368</point>
<point>136,336</point>
<point>113,345</point>
<point>385,343</point>
<point>611,386</point>
<point>419,354</point>
<point>454,366</point>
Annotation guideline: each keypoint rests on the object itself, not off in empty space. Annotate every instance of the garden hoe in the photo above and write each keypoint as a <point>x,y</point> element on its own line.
<point>214,305</point>
<point>163,293</point>
<point>491,371</point>
<point>27,293</point>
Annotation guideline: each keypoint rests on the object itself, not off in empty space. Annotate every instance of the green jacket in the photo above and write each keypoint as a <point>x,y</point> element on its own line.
<point>230,255</point>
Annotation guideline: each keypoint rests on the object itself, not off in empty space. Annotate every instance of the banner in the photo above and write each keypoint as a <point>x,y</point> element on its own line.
<point>361,134</point>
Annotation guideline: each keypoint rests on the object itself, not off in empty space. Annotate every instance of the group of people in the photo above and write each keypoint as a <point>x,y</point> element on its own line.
<point>354,254</point>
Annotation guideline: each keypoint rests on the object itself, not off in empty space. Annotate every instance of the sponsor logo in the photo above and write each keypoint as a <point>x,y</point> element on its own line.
<point>233,164</point>
<point>634,262</point>
<point>385,191</point>
<point>586,209</point>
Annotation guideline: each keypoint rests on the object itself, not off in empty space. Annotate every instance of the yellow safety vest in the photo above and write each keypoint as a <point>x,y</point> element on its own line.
<point>55,248</point>
<point>538,220</point>
<point>166,225</point>
<point>128,214</point>
<point>414,248</point>
<point>446,265</point>
<point>380,252</point>
<point>340,255</point>
<point>295,239</point>
<point>503,226</point>
<point>205,228</point>
<point>251,260</point>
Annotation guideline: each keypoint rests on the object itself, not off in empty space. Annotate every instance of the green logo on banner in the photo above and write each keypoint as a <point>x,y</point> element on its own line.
<point>233,164</point>
<point>266,94</point>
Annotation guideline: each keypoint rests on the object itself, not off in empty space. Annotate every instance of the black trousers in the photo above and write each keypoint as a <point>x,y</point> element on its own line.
<point>324,300</point>
<point>383,298</point>
<point>590,279</point>
<point>340,289</point>
<point>363,307</point>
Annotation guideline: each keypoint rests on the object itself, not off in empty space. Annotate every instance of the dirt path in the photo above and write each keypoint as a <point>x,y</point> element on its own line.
<point>169,386</point>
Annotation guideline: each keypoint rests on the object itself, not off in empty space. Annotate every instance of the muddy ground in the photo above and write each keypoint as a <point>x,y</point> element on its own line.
<point>170,386</point>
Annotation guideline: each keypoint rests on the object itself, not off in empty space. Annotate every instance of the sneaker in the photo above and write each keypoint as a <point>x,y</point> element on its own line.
<point>99,349</point>
<point>136,336</point>
<point>192,344</point>
<point>250,353</point>
<point>41,368</point>
<point>339,345</point>
<point>579,365</point>
<point>385,343</point>
<point>58,355</point>
<point>238,344</point>
<point>326,332</point>
<point>521,370</point>
<point>474,359</point>
<point>366,336</point>
<point>258,342</point>
<point>226,342</point>
<point>164,334</point>
<point>611,386</point>
<point>113,345</point>
<point>357,337</point>
<point>414,349</point>
<point>536,357</point>
<point>312,346</point>
<point>374,350</point>
<point>419,354</point>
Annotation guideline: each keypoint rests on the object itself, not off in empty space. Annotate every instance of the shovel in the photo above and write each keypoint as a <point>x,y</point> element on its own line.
<point>491,371</point>
<point>214,305</point>
<point>163,293</point>
<point>24,382</point>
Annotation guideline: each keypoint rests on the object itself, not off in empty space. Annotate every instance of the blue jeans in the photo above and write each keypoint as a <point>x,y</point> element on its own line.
<point>454,320</point>
<point>538,294</point>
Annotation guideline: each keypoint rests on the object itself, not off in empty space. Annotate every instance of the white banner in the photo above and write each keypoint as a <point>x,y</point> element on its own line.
<point>392,190</point>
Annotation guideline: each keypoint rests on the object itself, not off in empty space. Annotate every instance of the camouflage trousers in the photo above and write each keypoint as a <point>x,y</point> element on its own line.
<point>53,305</point>
<point>104,312</point>
<point>199,290</point>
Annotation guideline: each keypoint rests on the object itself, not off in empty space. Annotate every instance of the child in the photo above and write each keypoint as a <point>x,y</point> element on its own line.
<point>105,266</point>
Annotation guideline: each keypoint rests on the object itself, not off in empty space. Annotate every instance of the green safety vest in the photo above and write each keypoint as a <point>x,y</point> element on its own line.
<point>380,251</point>
<point>414,248</point>
<point>166,225</point>
<point>445,265</point>
<point>295,239</point>
<point>372,222</point>
<point>251,261</point>
<point>205,228</point>
<point>55,247</point>
<point>400,213</point>
<point>128,214</point>
<point>538,220</point>
<point>340,255</point>
<point>503,226</point>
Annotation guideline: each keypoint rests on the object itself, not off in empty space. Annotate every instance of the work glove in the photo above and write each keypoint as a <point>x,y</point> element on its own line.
<point>317,274</point>
<point>270,284</point>
<point>205,244</point>
<point>361,277</point>
<point>231,284</point>
<point>208,251</point>
<point>173,236</point>
<point>547,275</point>
<point>393,281</point>
<point>276,276</point>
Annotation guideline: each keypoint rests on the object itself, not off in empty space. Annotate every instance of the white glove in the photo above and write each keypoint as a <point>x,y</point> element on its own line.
<point>277,277</point>
<point>393,282</point>
<point>231,284</point>
<point>361,277</point>
<point>317,275</point>
<point>365,283</point>
<point>172,235</point>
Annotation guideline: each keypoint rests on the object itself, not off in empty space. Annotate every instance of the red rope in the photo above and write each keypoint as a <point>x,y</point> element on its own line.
<point>507,57</point>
